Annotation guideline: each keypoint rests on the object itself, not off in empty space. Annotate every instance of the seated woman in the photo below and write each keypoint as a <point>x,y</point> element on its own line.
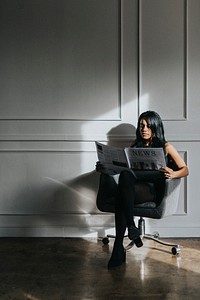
<point>130,190</point>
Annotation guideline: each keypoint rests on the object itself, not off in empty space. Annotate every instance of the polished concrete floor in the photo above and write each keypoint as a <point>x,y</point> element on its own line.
<point>67,268</point>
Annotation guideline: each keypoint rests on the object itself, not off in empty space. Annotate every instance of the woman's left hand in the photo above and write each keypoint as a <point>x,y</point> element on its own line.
<point>168,173</point>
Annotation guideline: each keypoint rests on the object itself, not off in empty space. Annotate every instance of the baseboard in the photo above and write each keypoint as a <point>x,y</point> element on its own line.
<point>93,232</point>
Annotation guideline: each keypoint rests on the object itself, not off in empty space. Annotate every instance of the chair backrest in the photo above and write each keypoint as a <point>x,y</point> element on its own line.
<point>171,197</point>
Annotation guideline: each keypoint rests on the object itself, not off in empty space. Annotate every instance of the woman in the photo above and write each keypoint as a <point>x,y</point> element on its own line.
<point>131,190</point>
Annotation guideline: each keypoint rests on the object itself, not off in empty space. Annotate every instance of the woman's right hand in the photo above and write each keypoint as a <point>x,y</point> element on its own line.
<point>99,167</point>
<point>102,169</point>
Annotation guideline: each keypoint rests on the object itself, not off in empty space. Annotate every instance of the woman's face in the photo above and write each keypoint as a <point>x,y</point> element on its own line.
<point>145,131</point>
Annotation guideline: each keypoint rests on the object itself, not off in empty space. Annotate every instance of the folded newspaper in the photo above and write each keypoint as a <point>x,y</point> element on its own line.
<point>117,159</point>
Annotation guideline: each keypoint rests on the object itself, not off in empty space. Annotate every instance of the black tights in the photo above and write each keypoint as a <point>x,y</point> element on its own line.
<point>130,192</point>
<point>124,195</point>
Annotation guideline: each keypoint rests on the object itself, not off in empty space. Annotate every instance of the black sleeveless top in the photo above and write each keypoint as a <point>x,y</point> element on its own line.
<point>171,163</point>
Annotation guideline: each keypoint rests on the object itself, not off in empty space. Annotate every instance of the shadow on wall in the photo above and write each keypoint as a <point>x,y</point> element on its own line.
<point>54,202</point>
<point>79,195</point>
<point>122,135</point>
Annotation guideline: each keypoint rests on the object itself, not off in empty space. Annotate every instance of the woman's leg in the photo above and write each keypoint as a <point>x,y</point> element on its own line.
<point>123,218</point>
<point>118,256</point>
<point>107,201</point>
<point>107,193</point>
<point>120,221</point>
<point>134,192</point>
<point>131,192</point>
<point>127,183</point>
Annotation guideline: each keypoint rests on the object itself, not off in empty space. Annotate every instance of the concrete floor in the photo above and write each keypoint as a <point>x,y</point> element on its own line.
<point>66,268</point>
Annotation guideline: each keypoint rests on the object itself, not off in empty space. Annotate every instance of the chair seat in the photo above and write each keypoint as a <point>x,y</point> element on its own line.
<point>167,205</point>
<point>146,205</point>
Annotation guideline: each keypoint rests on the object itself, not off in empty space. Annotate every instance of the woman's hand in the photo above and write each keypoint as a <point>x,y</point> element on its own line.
<point>168,173</point>
<point>103,169</point>
<point>99,167</point>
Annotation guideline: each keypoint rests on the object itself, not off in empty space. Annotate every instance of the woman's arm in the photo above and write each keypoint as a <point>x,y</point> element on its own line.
<point>182,168</point>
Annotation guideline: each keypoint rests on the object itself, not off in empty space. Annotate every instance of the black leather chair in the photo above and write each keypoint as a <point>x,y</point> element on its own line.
<point>167,206</point>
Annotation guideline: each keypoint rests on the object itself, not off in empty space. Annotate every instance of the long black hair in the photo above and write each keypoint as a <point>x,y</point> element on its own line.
<point>157,128</point>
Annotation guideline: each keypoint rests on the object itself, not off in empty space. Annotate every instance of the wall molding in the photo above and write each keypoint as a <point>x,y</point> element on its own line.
<point>184,76</point>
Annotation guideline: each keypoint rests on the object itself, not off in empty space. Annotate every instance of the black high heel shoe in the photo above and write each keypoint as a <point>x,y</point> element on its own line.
<point>134,235</point>
<point>118,257</point>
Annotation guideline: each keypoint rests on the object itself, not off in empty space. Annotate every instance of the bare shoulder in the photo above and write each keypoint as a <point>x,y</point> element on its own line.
<point>170,148</point>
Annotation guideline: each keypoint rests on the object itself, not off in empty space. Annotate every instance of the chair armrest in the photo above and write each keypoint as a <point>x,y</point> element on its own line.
<point>169,202</point>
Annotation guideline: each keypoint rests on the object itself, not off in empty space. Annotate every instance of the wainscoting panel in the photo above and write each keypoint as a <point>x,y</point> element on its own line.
<point>163,58</point>
<point>72,72</point>
<point>61,60</point>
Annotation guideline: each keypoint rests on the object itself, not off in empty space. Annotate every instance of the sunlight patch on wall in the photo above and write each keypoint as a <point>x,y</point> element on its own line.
<point>144,103</point>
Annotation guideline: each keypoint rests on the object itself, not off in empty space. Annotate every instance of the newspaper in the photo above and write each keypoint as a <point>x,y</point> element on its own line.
<point>116,159</point>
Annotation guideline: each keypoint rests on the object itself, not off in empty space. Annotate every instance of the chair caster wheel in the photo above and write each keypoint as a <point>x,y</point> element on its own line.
<point>105,241</point>
<point>156,235</point>
<point>176,250</point>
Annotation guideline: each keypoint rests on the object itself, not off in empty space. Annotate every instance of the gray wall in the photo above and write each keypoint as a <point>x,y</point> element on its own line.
<point>72,72</point>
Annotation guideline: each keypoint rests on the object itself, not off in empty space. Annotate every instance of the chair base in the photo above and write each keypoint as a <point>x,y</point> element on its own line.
<point>154,237</point>
<point>175,247</point>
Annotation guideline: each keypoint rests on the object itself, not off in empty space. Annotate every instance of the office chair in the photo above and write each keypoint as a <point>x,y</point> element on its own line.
<point>166,207</point>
